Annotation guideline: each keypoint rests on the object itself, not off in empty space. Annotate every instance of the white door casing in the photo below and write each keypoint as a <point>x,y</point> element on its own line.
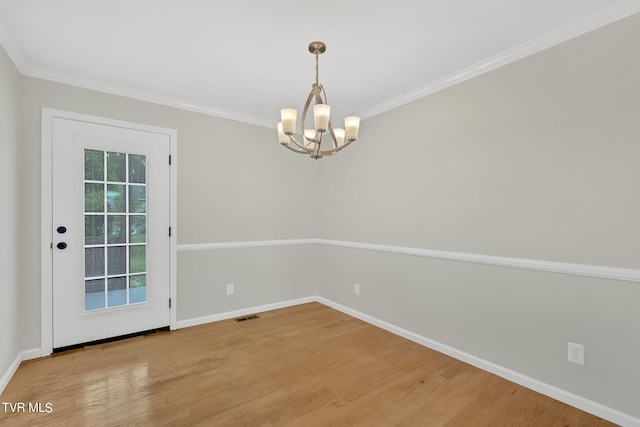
<point>66,319</point>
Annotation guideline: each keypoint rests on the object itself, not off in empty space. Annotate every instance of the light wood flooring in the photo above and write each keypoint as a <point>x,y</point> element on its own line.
<point>307,365</point>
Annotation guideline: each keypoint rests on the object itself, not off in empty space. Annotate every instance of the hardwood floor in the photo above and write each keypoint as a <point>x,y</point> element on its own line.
<point>307,365</point>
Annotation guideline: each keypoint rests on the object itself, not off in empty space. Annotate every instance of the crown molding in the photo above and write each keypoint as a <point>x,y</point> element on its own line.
<point>127,92</point>
<point>577,28</point>
<point>11,47</point>
<point>596,20</point>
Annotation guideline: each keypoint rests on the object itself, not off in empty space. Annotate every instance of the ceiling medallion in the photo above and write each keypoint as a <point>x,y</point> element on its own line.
<point>312,138</point>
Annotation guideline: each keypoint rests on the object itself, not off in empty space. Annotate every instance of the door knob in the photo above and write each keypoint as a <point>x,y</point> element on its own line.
<point>62,245</point>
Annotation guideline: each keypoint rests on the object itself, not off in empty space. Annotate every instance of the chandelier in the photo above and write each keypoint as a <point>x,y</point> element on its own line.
<point>311,142</point>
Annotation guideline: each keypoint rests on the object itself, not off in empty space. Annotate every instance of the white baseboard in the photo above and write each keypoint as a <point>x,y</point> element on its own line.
<point>241,312</point>
<point>523,380</point>
<point>34,353</point>
<point>10,371</point>
<point>23,355</point>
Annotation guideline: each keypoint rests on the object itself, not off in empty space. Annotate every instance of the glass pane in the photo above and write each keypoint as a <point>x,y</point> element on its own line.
<point>93,197</point>
<point>93,294</point>
<point>137,168</point>
<point>137,199</point>
<point>137,288</point>
<point>93,262</point>
<point>115,198</point>
<point>137,259</point>
<point>137,229</point>
<point>117,291</point>
<point>115,214</point>
<point>117,260</point>
<point>93,165</point>
<point>116,227</point>
<point>94,229</point>
<point>116,167</point>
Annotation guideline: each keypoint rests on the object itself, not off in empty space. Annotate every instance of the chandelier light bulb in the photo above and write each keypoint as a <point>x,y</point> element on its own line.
<point>339,133</point>
<point>288,117</point>
<point>310,135</point>
<point>352,126</point>
<point>321,117</point>
<point>284,139</point>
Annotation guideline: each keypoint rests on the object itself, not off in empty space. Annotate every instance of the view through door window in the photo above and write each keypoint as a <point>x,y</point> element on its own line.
<point>115,236</point>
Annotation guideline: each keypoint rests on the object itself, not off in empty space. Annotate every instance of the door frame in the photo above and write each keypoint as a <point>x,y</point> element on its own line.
<point>46,212</point>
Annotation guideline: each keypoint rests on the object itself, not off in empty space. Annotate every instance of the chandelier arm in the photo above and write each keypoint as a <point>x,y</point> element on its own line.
<point>335,150</point>
<point>295,150</point>
<point>333,135</point>
<point>305,110</point>
<point>326,101</point>
<point>318,90</point>
<point>295,141</point>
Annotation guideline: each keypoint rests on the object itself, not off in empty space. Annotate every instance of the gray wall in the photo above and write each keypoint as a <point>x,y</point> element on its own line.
<point>9,200</point>
<point>263,275</point>
<point>536,160</point>
<point>235,183</point>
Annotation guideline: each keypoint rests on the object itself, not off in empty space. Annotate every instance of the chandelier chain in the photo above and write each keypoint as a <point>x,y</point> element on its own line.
<point>317,68</point>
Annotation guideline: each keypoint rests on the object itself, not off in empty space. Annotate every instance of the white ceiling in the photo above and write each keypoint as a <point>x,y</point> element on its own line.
<point>247,59</point>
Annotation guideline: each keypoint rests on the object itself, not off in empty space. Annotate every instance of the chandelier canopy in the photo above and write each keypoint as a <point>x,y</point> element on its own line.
<point>311,142</point>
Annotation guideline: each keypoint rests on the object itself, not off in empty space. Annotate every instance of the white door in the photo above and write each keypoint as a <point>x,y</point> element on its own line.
<point>111,243</point>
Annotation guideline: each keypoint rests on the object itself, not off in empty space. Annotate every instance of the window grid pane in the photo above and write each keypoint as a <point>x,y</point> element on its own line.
<point>115,229</point>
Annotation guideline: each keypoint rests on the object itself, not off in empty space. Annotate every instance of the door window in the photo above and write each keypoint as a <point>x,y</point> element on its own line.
<point>115,233</point>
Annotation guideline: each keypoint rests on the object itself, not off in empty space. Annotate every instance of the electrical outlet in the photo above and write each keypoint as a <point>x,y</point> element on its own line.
<point>356,289</point>
<point>576,353</point>
<point>230,289</point>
